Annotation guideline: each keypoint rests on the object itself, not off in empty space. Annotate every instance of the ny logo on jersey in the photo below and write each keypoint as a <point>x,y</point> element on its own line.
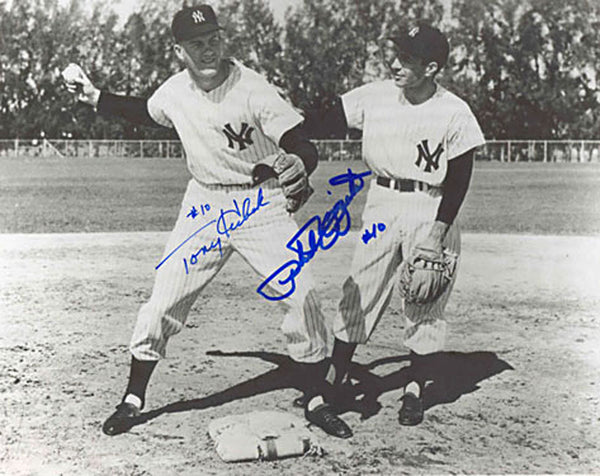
<point>243,139</point>
<point>198,16</point>
<point>432,161</point>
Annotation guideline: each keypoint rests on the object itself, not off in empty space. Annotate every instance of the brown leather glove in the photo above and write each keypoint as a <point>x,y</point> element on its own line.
<point>426,274</point>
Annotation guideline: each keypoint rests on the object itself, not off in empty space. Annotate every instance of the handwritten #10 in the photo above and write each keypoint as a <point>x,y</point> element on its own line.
<point>372,233</point>
<point>205,207</point>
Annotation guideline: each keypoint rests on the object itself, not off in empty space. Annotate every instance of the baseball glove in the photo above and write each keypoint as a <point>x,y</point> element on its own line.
<point>292,176</point>
<point>426,274</point>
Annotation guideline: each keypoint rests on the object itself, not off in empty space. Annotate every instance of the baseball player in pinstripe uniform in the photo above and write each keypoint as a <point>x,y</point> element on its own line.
<point>229,120</point>
<point>419,141</point>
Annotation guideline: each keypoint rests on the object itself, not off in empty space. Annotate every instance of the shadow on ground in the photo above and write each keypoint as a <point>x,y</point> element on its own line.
<point>449,375</point>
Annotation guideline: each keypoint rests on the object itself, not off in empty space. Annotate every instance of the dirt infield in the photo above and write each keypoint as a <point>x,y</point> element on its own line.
<point>519,391</point>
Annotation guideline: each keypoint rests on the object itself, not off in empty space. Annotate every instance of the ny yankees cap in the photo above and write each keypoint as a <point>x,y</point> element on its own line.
<point>424,42</point>
<point>190,22</point>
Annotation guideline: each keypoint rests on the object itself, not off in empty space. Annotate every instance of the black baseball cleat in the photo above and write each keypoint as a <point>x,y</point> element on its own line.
<point>325,418</point>
<point>122,420</point>
<point>411,412</point>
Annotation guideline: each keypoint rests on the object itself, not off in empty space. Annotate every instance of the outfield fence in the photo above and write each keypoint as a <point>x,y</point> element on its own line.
<point>329,150</point>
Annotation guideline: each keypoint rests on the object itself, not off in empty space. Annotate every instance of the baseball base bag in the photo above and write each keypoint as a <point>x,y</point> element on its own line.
<point>262,435</point>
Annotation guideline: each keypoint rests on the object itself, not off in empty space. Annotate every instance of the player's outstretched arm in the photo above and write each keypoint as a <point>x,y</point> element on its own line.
<point>130,108</point>
<point>329,122</point>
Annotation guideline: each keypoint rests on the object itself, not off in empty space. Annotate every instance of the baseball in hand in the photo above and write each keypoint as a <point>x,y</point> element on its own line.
<point>73,74</point>
<point>77,82</point>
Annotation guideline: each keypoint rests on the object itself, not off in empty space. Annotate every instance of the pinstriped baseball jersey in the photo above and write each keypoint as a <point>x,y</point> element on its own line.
<point>259,242</point>
<point>226,131</point>
<point>402,140</point>
<point>367,290</point>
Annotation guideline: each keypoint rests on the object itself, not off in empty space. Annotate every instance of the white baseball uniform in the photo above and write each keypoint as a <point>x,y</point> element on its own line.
<point>225,132</point>
<point>414,143</point>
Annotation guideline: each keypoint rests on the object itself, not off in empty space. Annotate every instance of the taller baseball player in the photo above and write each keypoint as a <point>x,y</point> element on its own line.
<point>418,140</point>
<point>229,120</point>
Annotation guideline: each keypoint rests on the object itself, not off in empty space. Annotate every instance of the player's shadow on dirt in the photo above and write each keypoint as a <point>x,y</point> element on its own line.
<point>450,375</point>
<point>281,377</point>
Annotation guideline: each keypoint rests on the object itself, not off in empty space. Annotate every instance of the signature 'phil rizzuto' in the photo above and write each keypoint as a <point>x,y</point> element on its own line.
<point>317,233</point>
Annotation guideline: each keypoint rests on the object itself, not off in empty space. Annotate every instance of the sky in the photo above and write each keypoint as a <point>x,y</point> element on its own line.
<point>125,7</point>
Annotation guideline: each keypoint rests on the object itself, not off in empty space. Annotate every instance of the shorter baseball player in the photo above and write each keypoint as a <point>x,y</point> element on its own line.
<point>249,163</point>
<point>418,140</point>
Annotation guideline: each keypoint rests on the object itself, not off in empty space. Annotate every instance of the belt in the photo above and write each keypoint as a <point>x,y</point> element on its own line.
<point>232,187</point>
<point>403,185</point>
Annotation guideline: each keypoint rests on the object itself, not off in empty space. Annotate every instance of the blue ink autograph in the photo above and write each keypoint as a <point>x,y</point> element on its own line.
<point>229,220</point>
<point>372,233</point>
<point>317,233</point>
<point>194,211</point>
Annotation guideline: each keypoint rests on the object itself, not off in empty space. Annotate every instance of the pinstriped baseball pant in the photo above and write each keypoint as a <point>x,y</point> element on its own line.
<point>260,241</point>
<point>367,291</point>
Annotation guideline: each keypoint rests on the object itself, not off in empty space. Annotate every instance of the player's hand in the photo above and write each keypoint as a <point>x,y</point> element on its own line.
<point>293,178</point>
<point>78,83</point>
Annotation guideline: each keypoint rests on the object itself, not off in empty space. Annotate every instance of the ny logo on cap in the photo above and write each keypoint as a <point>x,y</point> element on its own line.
<point>198,16</point>
<point>414,32</point>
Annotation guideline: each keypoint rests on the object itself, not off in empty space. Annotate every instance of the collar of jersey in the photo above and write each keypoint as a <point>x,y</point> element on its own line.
<point>439,91</point>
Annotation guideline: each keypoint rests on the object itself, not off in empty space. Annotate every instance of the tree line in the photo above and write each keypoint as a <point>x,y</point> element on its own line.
<point>528,68</point>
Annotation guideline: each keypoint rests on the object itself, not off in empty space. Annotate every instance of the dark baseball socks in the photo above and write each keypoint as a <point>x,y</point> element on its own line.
<point>323,380</point>
<point>139,376</point>
<point>325,383</point>
<point>340,362</point>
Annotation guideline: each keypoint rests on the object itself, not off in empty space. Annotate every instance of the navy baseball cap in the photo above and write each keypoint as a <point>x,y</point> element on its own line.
<point>190,22</point>
<point>424,42</point>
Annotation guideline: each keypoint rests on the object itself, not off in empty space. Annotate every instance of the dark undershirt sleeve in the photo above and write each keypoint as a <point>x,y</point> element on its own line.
<point>295,142</point>
<point>328,122</point>
<point>455,187</point>
<point>130,108</point>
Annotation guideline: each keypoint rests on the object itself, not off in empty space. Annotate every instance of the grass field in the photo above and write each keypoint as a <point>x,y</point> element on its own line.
<point>47,195</point>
